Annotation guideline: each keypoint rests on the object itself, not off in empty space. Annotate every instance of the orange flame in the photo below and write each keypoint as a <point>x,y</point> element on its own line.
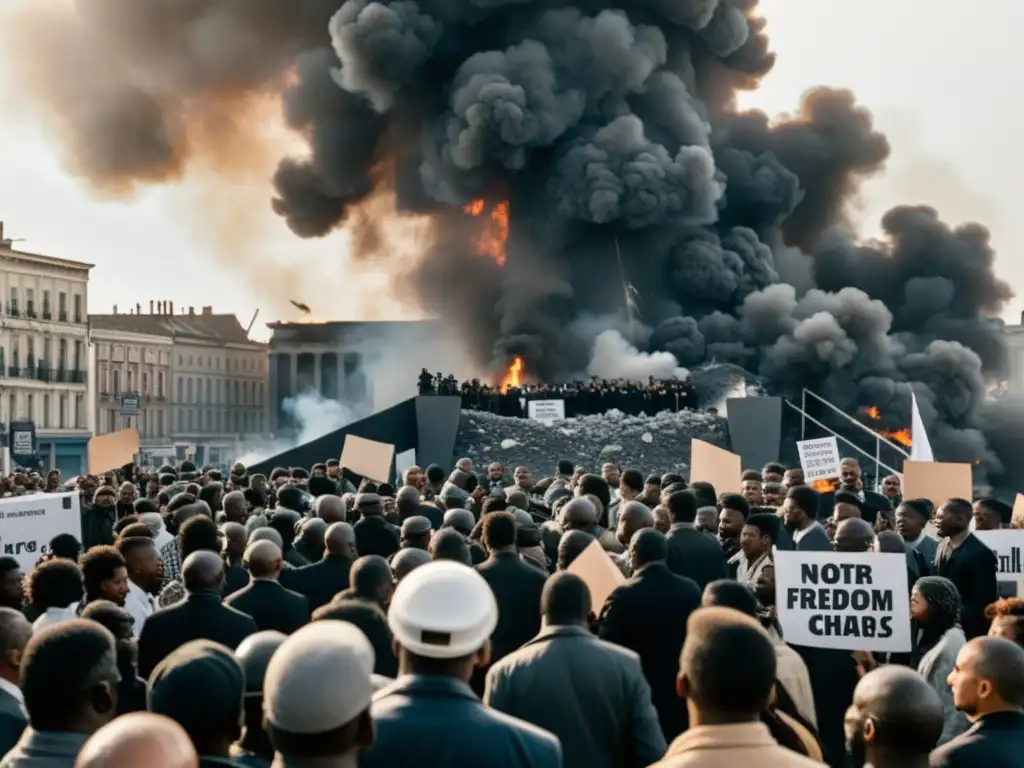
<point>492,241</point>
<point>513,376</point>
<point>873,412</point>
<point>824,485</point>
<point>901,436</point>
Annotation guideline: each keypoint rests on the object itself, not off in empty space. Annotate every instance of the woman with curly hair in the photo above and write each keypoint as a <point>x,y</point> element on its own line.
<point>1007,617</point>
<point>935,609</point>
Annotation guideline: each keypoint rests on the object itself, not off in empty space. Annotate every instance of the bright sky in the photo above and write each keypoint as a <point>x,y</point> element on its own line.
<point>942,86</point>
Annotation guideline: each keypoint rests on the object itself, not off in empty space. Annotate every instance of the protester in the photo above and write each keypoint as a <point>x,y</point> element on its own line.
<point>15,632</point>
<point>131,691</point>
<point>139,739</point>
<point>55,588</point>
<point>800,512</point>
<point>1007,617</point>
<point>254,653</point>
<point>969,564</point>
<point>12,583</point>
<point>105,575</point>
<point>270,605</point>
<point>691,554</point>
<point>145,571</point>
<point>319,582</point>
<point>591,694</point>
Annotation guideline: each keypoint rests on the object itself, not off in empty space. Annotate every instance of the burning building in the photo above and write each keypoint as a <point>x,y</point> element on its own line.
<point>568,155</point>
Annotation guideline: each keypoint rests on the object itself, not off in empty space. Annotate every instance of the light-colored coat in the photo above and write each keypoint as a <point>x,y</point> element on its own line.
<point>729,746</point>
<point>935,667</point>
<point>591,694</point>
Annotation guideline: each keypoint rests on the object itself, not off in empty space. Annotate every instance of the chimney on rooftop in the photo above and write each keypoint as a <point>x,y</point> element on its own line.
<point>151,303</point>
<point>207,310</point>
<point>115,309</point>
<point>191,311</point>
<point>170,307</point>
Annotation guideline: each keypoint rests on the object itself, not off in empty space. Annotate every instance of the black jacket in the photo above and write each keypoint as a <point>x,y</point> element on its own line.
<point>696,556</point>
<point>648,615</point>
<point>12,722</point>
<point>201,616</point>
<point>516,586</point>
<point>97,525</point>
<point>376,536</point>
<point>994,740</point>
<point>271,606</point>
<point>235,578</point>
<point>972,568</point>
<point>318,582</point>
<point>370,618</point>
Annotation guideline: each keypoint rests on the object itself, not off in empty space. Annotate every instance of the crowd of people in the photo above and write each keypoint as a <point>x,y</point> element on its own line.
<point>295,621</point>
<point>582,398</point>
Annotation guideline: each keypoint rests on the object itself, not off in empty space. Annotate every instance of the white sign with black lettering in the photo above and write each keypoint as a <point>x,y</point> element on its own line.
<point>29,523</point>
<point>819,458</point>
<point>849,601</point>
<point>546,411</point>
<point>1008,544</point>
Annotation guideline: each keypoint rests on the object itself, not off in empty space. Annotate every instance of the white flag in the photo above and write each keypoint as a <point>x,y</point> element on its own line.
<point>920,448</point>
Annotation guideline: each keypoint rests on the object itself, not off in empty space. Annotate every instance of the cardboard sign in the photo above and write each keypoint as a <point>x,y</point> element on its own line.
<point>29,523</point>
<point>107,452</point>
<point>598,572</point>
<point>715,465</point>
<point>1017,517</point>
<point>937,481</point>
<point>403,461</point>
<point>367,458</point>
<point>1008,544</point>
<point>849,601</point>
<point>546,411</point>
<point>819,458</point>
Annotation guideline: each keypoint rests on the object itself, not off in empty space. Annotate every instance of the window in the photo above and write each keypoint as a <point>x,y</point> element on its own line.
<point>15,356</point>
<point>112,421</point>
<point>46,305</point>
<point>62,307</point>
<point>159,423</point>
<point>117,382</point>
<point>78,355</point>
<point>31,403</point>
<point>14,301</point>
<point>181,390</point>
<point>220,421</point>
<point>191,396</point>
<point>209,389</point>
<point>218,363</point>
<point>236,400</point>
<point>62,415</point>
<point>179,359</point>
<point>181,421</point>
<point>131,381</point>
<point>46,411</point>
<point>78,308</point>
<point>30,357</point>
<point>202,421</point>
<point>190,360</point>
<point>209,362</point>
<point>145,384</point>
<point>62,355</point>
<point>191,420</point>
<point>2,371</point>
<point>259,393</point>
<point>160,384</point>
<point>47,344</point>
<point>30,302</point>
<point>79,418</point>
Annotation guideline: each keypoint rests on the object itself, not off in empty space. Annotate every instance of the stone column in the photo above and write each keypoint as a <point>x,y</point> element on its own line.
<point>317,373</point>
<point>272,395</point>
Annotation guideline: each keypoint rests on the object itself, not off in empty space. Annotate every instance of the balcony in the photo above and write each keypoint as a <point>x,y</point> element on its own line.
<point>75,377</point>
<point>13,311</point>
<point>30,312</point>
<point>47,315</point>
<point>62,317</point>
<point>45,373</point>
<point>12,371</point>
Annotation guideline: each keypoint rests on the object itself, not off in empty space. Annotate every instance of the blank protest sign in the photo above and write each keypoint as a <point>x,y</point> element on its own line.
<point>819,458</point>
<point>937,481</point>
<point>848,601</point>
<point>598,572</point>
<point>715,465</point>
<point>112,451</point>
<point>367,458</point>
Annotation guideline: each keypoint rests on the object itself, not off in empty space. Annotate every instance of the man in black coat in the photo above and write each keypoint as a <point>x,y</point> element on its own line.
<point>799,514</point>
<point>850,481</point>
<point>319,582</point>
<point>691,553</point>
<point>969,564</point>
<point>364,604</point>
<point>270,605</point>
<point>15,632</point>
<point>374,534</point>
<point>648,615</point>
<point>517,586</point>
<point>201,616</point>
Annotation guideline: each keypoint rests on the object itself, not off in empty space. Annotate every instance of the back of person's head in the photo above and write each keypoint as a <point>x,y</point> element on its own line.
<point>565,600</point>
<point>135,530</point>
<point>499,531</point>
<point>449,544</point>
<point>99,564</point>
<point>112,616</point>
<point>565,467</point>
<point>726,593</point>
<point>571,546</point>
<point>213,719</point>
<point>806,498</point>
<point>672,478</point>
<point>64,546</point>
<point>55,584</point>
<point>370,577</point>
<point>266,533</point>
<point>704,493</point>
<point>291,498</point>
<point>647,546</point>
<point>199,533</point>
<point>69,677</point>
<point>633,480</point>
<point>15,632</point>
<point>203,571</point>
<point>139,738</point>
<point>682,506</point>
<point>435,474</point>
<point>711,678</point>
<point>595,485</point>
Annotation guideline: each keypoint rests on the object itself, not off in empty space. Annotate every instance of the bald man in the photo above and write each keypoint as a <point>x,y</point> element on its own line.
<point>235,508</point>
<point>895,720</point>
<point>579,515</point>
<point>854,535</point>
<point>633,517</point>
<point>310,543</point>
<point>331,509</point>
<point>319,582</point>
<point>140,738</point>
<point>200,616</point>
<point>272,606</point>
<point>235,575</point>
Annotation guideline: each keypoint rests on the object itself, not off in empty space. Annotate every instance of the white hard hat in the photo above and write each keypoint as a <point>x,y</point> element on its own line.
<point>443,610</point>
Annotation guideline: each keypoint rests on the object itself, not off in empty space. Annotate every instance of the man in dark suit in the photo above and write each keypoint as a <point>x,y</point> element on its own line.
<point>270,605</point>
<point>319,582</point>
<point>691,553</point>
<point>648,615</point>
<point>516,585</point>
<point>201,616</point>
<point>799,514</point>
<point>968,563</point>
<point>374,534</point>
<point>850,481</point>
<point>15,632</point>
<point>589,693</point>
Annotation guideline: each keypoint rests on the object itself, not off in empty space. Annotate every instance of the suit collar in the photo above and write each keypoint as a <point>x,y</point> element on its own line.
<point>559,630</point>
<point>429,685</point>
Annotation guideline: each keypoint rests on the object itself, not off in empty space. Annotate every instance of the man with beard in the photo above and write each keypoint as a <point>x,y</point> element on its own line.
<point>892,489</point>
<point>126,496</point>
<point>799,513</point>
<point>495,476</point>
<point>895,719</point>
<point>734,514</point>
<point>969,564</point>
<point>707,520</point>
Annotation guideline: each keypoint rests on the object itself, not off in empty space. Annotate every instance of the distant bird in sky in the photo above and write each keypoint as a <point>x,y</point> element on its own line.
<point>302,307</point>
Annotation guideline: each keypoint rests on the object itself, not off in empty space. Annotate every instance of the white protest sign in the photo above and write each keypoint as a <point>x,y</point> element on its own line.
<point>819,458</point>
<point>29,523</point>
<point>546,411</point>
<point>849,601</point>
<point>1008,544</point>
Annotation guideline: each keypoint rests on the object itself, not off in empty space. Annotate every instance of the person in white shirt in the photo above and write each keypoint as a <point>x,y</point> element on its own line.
<point>755,548</point>
<point>56,588</point>
<point>145,578</point>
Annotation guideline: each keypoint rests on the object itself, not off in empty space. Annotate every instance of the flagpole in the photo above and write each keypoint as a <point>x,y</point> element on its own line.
<point>625,293</point>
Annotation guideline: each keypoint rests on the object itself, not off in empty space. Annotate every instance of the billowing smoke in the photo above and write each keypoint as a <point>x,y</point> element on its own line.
<point>612,131</point>
<point>313,415</point>
<point>614,358</point>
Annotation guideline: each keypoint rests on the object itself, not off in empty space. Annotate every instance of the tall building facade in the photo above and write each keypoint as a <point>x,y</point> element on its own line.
<point>44,354</point>
<point>206,381</point>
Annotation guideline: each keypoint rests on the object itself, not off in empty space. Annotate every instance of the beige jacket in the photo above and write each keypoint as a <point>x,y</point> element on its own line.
<point>728,746</point>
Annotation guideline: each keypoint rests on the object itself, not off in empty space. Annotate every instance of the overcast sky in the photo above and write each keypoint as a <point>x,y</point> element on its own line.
<point>942,86</point>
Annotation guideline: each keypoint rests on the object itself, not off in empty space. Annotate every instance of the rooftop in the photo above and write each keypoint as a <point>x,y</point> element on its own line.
<point>204,325</point>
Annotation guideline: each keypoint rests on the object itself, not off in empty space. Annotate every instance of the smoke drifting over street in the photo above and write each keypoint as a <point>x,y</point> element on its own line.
<point>614,136</point>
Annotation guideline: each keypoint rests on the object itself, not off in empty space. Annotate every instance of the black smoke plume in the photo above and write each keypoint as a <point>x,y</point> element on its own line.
<point>614,134</point>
